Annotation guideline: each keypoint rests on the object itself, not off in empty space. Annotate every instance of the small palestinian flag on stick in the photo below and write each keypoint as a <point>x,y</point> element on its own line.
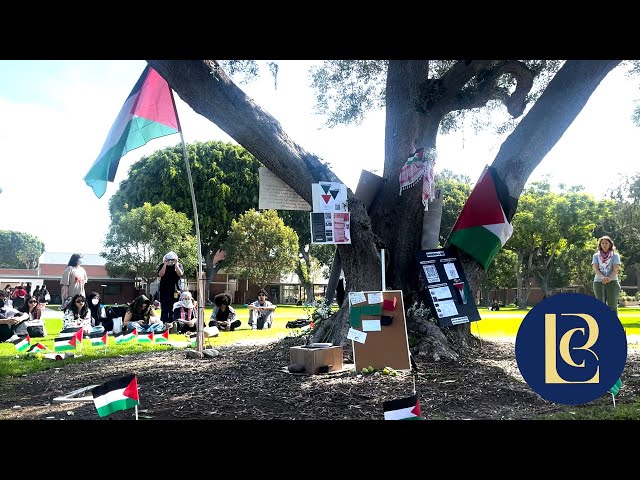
<point>98,339</point>
<point>64,344</point>
<point>114,395</point>
<point>71,332</point>
<point>163,337</point>
<point>125,337</point>
<point>146,337</point>
<point>38,347</point>
<point>402,409</point>
<point>483,227</point>
<point>22,344</point>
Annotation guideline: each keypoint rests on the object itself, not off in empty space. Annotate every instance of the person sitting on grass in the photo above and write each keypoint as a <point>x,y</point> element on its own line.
<point>77,314</point>
<point>141,316</point>
<point>261,312</point>
<point>34,326</point>
<point>224,315</point>
<point>9,318</point>
<point>184,313</point>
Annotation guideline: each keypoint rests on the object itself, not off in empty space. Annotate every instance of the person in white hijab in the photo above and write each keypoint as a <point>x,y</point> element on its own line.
<point>185,313</point>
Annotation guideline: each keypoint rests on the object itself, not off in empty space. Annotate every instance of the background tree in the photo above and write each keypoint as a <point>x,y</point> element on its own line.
<point>261,247</point>
<point>501,275</point>
<point>225,181</point>
<point>622,223</point>
<point>19,250</point>
<point>420,97</point>
<point>456,188</point>
<point>137,241</point>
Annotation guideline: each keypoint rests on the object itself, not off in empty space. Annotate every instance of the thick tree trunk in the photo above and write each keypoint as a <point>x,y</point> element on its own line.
<point>396,221</point>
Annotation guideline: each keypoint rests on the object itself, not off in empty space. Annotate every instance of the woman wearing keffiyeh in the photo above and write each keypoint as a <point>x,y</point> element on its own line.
<point>184,313</point>
<point>606,263</point>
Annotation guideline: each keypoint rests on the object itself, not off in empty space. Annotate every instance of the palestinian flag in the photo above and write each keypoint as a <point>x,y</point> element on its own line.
<point>402,409</point>
<point>22,343</point>
<point>125,337</point>
<point>38,347</point>
<point>483,227</point>
<point>616,388</point>
<point>64,344</point>
<point>163,337</point>
<point>98,339</point>
<point>72,332</point>
<point>145,337</point>
<point>148,112</point>
<point>114,395</point>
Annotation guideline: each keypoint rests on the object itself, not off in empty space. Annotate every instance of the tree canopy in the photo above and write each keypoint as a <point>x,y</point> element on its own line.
<point>261,247</point>
<point>138,240</point>
<point>19,250</point>
<point>225,182</point>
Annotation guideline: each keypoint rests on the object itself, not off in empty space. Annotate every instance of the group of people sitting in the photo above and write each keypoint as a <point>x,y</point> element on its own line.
<point>90,315</point>
<point>141,315</point>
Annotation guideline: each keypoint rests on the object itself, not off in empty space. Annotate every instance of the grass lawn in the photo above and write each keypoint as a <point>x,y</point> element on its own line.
<point>13,363</point>
<point>505,322</point>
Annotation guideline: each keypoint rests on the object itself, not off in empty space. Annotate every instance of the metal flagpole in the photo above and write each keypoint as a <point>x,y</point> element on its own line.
<point>201,301</point>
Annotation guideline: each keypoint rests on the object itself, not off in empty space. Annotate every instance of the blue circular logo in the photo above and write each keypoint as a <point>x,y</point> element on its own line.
<point>571,348</point>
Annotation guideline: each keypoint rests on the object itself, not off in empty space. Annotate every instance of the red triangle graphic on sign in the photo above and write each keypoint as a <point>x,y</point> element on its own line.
<point>326,198</point>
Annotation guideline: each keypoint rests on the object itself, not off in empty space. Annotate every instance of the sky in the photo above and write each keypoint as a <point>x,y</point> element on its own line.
<point>56,115</point>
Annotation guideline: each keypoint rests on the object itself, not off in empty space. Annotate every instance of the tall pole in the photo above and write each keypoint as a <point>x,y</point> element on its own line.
<point>200,336</point>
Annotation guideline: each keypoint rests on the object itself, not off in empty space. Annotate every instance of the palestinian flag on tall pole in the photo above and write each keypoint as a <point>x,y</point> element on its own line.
<point>22,344</point>
<point>64,344</point>
<point>115,395</point>
<point>148,112</point>
<point>402,408</point>
<point>483,226</point>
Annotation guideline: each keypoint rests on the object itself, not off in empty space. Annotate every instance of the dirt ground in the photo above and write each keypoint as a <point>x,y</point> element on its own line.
<point>250,382</point>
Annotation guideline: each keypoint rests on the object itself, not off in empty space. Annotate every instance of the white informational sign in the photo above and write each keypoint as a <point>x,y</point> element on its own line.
<point>356,335</point>
<point>446,308</point>
<point>329,197</point>
<point>274,194</point>
<point>374,298</point>
<point>356,297</point>
<point>371,326</point>
<point>440,292</point>
<point>332,228</point>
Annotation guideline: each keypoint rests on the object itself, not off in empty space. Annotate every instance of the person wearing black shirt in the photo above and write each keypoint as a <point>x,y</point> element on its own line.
<point>170,273</point>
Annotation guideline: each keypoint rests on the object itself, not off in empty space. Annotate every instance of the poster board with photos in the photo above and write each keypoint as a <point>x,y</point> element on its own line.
<point>448,293</point>
<point>380,315</point>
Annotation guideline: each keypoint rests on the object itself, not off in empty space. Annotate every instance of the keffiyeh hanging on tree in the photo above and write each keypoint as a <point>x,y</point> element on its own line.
<point>420,165</point>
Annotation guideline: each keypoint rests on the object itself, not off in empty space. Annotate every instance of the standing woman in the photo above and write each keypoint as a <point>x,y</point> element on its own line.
<point>74,278</point>
<point>606,263</point>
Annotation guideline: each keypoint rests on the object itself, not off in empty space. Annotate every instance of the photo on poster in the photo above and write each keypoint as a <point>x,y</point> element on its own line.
<point>446,308</point>
<point>450,268</point>
<point>440,292</point>
<point>431,272</point>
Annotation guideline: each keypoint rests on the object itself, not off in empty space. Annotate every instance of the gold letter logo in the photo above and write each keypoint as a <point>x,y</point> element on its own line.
<point>550,366</point>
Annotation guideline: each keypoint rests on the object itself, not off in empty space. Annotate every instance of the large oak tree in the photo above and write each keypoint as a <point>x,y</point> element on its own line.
<point>417,99</point>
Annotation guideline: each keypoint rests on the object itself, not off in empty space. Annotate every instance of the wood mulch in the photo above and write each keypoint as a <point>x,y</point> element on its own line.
<point>250,382</point>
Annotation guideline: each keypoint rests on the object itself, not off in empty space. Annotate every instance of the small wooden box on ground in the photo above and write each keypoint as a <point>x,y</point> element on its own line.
<point>314,358</point>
